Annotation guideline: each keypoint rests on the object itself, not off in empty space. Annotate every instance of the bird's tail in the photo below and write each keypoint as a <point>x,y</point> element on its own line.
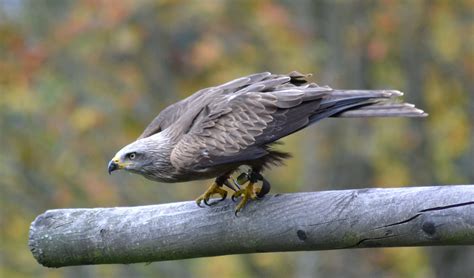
<point>369,103</point>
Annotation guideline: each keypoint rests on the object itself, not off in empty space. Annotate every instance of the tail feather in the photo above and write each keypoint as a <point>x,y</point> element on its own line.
<point>383,109</point>
<point>373,103</point>
<point>389,105</point>
<point>397,112</point>
<point>366,93</point>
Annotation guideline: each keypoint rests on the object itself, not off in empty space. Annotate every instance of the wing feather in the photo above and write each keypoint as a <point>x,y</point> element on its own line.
<point>235,121</point>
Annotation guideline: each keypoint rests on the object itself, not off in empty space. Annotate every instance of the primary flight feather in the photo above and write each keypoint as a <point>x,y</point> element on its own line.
<point>216,130</point>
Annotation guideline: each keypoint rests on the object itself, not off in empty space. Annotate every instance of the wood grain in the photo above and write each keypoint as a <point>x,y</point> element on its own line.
<point>411,216</point>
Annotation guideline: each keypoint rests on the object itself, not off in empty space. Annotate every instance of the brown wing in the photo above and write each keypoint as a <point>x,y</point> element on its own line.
<point>166,117</point>
<point>236,122</point>
<point>175,111</point>
<point>235,126</point>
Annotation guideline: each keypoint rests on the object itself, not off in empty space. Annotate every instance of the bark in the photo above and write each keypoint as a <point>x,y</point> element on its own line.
<point>412,216</point>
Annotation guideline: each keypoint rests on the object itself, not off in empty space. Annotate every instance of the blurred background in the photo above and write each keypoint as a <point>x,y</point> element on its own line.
<point>80,79</point>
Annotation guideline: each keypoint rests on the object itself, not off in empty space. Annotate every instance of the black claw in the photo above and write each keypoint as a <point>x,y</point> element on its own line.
<point>265,188</point>
<point>234,198</point>
<point>223,197</point>
<point>215,202</point>
<point>211,203</point>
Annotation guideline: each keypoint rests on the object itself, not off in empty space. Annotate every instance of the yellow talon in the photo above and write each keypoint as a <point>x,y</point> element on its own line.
<point>246,193</point>
<point>213,189</point>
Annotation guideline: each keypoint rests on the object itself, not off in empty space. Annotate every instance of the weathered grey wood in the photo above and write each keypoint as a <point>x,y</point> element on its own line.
<point>413,216</point>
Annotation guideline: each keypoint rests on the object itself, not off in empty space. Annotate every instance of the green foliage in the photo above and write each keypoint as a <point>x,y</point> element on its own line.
<point>79,79</point>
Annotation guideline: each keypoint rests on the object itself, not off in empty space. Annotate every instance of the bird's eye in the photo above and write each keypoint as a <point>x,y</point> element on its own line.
<point>132,156</point>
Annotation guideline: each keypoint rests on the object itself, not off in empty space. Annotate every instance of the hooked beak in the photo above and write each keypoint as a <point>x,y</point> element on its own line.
<point>114,164</point>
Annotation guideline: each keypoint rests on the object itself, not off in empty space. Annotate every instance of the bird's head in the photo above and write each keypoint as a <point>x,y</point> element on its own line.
<point>133,157</point>
<point>149,157</point>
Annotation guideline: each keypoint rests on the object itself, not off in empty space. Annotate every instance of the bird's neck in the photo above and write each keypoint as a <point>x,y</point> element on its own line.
<point>160,168</point>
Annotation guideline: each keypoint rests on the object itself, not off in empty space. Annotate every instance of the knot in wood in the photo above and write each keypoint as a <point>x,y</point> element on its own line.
<point>429,228</point>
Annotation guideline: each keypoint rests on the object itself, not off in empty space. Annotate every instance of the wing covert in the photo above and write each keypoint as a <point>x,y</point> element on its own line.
<point>226,131</point>
<point>236,124</point>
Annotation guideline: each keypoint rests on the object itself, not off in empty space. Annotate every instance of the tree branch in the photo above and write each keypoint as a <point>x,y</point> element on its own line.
<point>412,216</point>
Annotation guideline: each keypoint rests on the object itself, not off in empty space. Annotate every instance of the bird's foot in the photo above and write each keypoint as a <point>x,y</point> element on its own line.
<point>250,192</point>
<point>215,188</point>
<point>246,193</point>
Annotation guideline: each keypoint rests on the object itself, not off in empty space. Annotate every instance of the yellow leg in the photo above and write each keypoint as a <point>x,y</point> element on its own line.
<point>213,189</point>
<point>246,194</point>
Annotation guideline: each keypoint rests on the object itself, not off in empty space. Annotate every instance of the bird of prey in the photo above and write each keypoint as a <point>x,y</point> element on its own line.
<point>216,130</point>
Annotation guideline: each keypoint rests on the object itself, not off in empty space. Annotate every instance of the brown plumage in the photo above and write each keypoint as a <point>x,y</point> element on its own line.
<point>216,130</point>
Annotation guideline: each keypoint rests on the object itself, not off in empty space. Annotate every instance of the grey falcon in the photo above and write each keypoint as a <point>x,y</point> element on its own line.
<point>215,131</point>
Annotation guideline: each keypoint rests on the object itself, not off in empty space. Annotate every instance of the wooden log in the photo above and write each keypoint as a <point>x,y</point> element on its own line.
<point>410,216</point>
